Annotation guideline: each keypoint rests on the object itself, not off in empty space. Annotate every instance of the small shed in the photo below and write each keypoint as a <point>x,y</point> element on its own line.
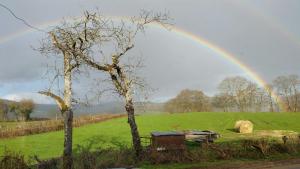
<point>161,141</point>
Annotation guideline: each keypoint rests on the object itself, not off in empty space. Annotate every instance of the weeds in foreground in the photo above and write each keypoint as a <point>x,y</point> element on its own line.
<point>12,160</point>
<point>85,158</point>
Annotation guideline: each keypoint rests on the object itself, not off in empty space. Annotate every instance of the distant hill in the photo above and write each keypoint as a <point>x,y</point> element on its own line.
<point>6,101</point>
<point>51,110</point>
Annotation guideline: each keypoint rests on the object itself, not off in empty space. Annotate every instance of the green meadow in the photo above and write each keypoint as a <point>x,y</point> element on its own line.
<point>116,133</point>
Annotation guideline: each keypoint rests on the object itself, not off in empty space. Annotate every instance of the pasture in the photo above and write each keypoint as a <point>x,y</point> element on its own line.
<point>116,133</point>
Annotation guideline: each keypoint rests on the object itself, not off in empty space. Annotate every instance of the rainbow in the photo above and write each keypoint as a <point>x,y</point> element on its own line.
<point>180,32</point>
<point>231,58</point>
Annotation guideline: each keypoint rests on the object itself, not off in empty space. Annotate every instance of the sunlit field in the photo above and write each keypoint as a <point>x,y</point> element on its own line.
<point>116,133</point>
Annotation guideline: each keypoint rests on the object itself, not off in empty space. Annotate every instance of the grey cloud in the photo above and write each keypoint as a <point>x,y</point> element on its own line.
<point>19,62</point>
<point>174,62</point>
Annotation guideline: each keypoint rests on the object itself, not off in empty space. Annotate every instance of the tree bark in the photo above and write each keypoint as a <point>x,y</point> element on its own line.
<point>68,114</point>
<point>134,130</point>
<point>68,133</point>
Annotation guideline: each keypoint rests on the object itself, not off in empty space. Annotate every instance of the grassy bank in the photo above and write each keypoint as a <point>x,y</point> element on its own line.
<point>115,133</point>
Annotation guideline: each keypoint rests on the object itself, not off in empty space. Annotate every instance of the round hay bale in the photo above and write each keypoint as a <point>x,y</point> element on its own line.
<point>243,126</point>
<point>238,124</point>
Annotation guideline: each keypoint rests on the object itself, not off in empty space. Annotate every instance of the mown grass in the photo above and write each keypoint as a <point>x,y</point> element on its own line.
<point>115,133</point>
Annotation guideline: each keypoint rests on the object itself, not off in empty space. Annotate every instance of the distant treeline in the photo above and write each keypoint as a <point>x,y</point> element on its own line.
<point>19,111</point>
<point>242,95</point>
<point>235,94</point>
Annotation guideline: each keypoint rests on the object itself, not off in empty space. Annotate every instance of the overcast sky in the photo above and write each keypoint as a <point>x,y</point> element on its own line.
<point>262,34</point>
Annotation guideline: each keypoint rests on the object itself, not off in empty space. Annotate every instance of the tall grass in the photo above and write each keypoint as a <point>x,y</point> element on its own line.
<point>85,158</point>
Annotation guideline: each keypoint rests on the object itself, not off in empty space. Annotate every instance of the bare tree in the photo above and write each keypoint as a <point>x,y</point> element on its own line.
<point>13,108</point>
<point>62,41</point>
<point>269,94</point>
<point>295,83</point>
<point>98,31</point>
<point>242,94</point>
<point>223,101</point>
<point>288,88</point>
<point>25,108</point>
<point>22,109</point>
<point>235,87</point>
<point>259,97</point>
<point>3,110</point>
<point>81,42</point>
<point>188,101</point>
<point>283,89</point>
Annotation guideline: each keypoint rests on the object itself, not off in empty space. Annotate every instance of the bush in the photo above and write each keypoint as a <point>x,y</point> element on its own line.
<point>22,109</point>
<point>12,160</point>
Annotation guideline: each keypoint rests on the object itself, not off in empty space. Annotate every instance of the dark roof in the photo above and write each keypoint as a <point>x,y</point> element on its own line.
<point>168,133</point>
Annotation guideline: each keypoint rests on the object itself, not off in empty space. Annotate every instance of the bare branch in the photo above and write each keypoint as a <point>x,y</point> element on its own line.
<point>60,102</point>
<point>116,57</point>
<point>55,41</point>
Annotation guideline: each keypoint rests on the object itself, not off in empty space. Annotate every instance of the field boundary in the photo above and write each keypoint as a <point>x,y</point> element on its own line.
<point>38,127</point>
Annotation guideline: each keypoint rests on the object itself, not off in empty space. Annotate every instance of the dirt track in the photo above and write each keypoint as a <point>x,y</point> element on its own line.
<point>282,164</point>
<point>294,166</point>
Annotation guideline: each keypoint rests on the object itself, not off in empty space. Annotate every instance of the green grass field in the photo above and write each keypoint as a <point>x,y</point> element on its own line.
<point>116,132</point>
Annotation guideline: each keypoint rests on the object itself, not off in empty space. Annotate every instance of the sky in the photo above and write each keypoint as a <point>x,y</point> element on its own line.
<point>263,35</point>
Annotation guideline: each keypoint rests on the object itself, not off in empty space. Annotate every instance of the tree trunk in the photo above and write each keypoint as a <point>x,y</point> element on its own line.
<point>68,132</point>
<point>271,104</point>
<point>134,130</point>
<point>27,117</point>
<point>4,110</point>
<point>295,99</point>
<point>68,114</point>
<point>288,109</point>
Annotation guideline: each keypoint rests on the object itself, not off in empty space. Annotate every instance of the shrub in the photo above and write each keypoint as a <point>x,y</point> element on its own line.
<point>11,160</point>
